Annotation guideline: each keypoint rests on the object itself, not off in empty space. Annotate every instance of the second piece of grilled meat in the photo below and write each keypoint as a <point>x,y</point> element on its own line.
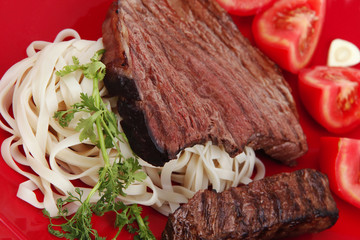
<point>286,204</point>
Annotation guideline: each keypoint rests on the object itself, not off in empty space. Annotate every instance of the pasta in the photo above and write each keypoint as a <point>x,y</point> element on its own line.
<point>54,160</point>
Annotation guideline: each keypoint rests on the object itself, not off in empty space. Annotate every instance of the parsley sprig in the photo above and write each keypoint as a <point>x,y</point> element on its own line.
<point>114,177</point>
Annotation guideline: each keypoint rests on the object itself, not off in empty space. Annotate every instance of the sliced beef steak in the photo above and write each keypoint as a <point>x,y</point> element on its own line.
<point>287,204</point>
<point>185,75</point>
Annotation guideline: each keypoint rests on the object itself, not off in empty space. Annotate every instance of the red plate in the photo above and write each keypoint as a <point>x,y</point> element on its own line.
<point>25,21</point>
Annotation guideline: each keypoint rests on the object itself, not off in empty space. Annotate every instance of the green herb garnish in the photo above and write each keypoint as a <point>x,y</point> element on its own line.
<point>101,129</point>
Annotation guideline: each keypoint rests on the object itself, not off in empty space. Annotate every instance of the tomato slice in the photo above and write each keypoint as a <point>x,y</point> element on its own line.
<point>340,160</point>
<point>289,31</point>
<point>244,7</point>
<point>331,95</point>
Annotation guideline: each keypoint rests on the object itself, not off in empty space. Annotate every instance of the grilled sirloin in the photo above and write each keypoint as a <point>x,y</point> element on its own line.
<point>185,75</point>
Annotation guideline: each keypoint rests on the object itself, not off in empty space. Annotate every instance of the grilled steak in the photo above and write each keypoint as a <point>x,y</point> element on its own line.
<point>185,75</point>
<point>286,204</point>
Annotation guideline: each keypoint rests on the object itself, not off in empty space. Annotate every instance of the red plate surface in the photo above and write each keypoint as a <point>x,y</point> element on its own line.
<point>25,21</point>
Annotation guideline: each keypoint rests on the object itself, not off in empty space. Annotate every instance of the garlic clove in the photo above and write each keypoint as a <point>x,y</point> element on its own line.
<point>343,53</point>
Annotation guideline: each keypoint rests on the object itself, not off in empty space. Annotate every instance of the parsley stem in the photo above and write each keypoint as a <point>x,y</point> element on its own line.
<point>96,92</point>
<point>108,132</point>
<point>105,156</point>
<point>97,98</point>
<point>102,143</point>
<point>118,232</point>
<point>141,224</point>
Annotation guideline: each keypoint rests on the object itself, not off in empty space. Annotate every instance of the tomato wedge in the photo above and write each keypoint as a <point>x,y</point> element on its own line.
<point>331,95</point>
<point>289,31</point>
<point>244,7</point>
<point>340,160</point>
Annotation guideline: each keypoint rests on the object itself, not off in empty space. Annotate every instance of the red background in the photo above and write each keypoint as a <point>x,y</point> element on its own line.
<point>22,22</point>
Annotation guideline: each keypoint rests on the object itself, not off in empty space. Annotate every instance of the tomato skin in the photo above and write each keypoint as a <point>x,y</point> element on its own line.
<point>245,7</point>
<point>332,96</point>
<point>340,160</point>
<point>289,30</point>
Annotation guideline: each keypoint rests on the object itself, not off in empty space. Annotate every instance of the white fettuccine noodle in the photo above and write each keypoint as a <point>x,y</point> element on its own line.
<point>54,160</point>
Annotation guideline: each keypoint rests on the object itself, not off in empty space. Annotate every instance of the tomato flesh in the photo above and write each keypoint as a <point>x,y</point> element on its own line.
<point>332,96</point>
<point>244,7</point>
<point>289,31</point>
<point>340,160</point>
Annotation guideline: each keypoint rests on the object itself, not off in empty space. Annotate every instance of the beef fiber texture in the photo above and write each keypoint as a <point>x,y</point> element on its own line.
<point>287,204</point>
<point>185,75</point>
